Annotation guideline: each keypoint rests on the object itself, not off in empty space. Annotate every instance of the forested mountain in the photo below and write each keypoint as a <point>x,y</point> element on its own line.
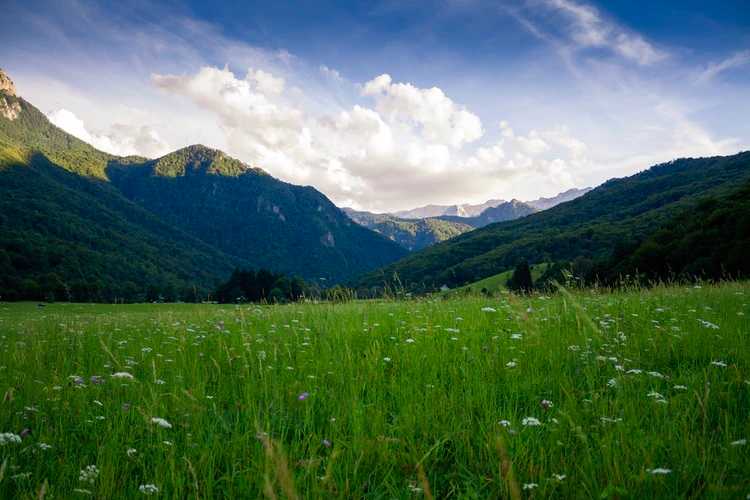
<point>508,210</point>
<point>617,215</point>
<point>412,234</point>
<point>77,223</point>
<point>248,214</point>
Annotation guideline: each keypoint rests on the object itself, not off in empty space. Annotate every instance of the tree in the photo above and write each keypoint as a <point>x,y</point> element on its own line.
<point>521,280</point>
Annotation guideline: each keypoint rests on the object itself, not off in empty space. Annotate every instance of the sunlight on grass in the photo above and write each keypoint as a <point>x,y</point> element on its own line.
<point>642,394</point>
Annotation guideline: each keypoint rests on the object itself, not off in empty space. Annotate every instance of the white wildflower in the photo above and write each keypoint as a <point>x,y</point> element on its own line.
<point>530,422</point>
<point>9,438</point>
<point>409,341</point>
<point>559,477</point>
<point>739,442</point>
<point>148,489</point>
<point>489,309</point>
<point>720,364</point>
<point>659,471</point>
<point>504,423</point>
<point>131,452</point>
<point>511,364</point>
<point>529,486</point>
<point>123,375</point>
<point>89,474</point>
<point>161,423</point>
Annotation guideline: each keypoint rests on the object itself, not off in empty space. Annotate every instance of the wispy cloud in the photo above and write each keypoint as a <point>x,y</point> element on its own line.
<point>579,26</point>
<point>713,69</point>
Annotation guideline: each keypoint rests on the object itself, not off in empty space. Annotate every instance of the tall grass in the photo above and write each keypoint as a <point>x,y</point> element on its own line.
<point>640,394</point>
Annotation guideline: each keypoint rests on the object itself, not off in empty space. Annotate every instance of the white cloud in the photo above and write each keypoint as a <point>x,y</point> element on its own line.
<point>121,139</point>
<point>441,120</point>
<point>736,60</point>
<point>587,28</point>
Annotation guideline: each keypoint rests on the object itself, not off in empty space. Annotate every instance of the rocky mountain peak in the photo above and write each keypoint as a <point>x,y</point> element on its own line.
<point>6,84</point>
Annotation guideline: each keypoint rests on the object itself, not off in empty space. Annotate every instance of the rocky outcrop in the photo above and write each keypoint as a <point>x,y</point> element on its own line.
<point>9,110</point>
<point>6,84</point>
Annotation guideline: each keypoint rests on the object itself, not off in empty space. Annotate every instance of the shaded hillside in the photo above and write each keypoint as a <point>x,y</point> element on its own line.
<point>172,227</point>
<point>412,234</point>
<point>247,213</point>
<point>611,216</point>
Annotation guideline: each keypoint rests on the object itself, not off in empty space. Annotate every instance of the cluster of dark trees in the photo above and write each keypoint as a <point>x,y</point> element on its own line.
<point>263,286</point>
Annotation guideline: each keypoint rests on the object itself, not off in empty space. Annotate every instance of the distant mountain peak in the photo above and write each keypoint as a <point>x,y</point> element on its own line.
<point>6,84</point>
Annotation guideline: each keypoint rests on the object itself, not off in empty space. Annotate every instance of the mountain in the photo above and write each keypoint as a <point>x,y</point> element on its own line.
<point>505,211</point>
<point>569,195</point>
<point>412,234</point>
<point>595,226</point>
<point>77,223</point>
<point>464,210</point>
<point>248,214</point>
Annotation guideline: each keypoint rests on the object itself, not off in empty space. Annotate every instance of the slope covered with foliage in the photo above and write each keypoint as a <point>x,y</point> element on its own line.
<point>248,214</point>
<point>612,217</point>
<point>412,234</point>
<point>80,224</point>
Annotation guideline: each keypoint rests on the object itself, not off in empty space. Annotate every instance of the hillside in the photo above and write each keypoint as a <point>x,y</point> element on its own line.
<point>412,234</point>
<point>77,223</point>
<point>246,213</point>
<point>508,210</point>
<point>67,234</point>
<point>612,216</point>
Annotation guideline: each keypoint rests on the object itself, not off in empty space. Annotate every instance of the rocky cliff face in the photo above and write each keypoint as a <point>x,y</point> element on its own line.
<point>6,84</point>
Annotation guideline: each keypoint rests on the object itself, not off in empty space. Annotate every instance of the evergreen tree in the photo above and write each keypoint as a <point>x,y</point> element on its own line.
<point>521,280</point>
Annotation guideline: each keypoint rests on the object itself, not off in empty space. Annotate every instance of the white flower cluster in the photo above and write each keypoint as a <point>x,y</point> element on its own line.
<point>9,438</point>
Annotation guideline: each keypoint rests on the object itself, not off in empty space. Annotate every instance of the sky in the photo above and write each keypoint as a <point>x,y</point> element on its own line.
<point>387,105</point>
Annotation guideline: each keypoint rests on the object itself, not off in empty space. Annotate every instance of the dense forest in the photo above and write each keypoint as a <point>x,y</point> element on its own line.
<point>609,222</point>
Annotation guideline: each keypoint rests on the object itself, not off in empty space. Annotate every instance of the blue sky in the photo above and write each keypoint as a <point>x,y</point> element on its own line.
<point>387,105</point>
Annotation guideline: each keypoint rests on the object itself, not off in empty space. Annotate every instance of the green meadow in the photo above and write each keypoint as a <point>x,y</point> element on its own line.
<point>583,394</point>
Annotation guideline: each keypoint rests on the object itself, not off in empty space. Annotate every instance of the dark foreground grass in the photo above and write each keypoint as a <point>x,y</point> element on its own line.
<point>627,395</point>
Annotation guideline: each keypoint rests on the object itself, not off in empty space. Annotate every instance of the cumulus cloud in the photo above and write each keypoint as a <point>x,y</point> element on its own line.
<point>413,145</point>
<point>120,139</point>
<point>440,119</point>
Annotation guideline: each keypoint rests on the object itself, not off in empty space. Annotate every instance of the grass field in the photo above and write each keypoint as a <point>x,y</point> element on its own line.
<point>643,394</point>
<point>495,283</point>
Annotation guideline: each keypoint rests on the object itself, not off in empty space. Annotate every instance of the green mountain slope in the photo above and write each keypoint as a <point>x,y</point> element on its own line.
<point>595,225</point>
<point>246,213</point>
<point>412,234</point>
<point>67,234</point>
<point>81,224</point>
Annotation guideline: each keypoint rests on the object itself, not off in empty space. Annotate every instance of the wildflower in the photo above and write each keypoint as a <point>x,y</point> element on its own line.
<point>739,442</point>
<point>659,471</point>
<point>720,364</point>
<point>387,359</point>
<point>531,422</point>
<point>409,341</point>
<point>516,336</point>
<point>44,446</point>
<point>529,486</point>
<point>122,375</point>
<point>130,452</point>
<point>89,474</point>
<point>559,477</point>
<point>96,380</point>
<point>9,438</point>
<point>489,309</point>
<point>161,423</point>
<point>612,382</point>
<point>708,324</point>
<point>546,404</point>
<point>680,387</point>
<point>511,364</point>
<point>326,443</point>
<point>303,396</point>
<point>504,423</point>
<point>148,489</point>
<point>26,432</point>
